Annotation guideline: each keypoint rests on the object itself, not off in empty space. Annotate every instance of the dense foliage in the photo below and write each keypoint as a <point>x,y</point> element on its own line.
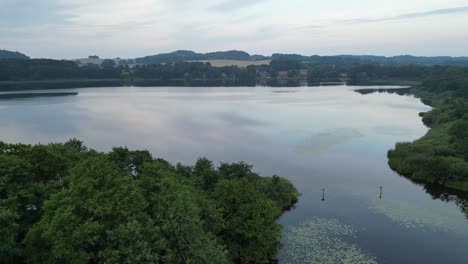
<point>191,72</point>
<point>372,59</point>
<point>441,156</point>
<point>45,69</point>
<point>64,203</point>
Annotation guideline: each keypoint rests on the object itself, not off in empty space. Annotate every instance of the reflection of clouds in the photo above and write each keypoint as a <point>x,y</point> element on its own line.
<point>14,134</point>
<point>284,91</point>
<point>408,106</point>
<point>155,123</point>
<point>392,130</point>
<point>37,120</point>
<point>324,140</point>
<point>239,120</point>
<point>218,122</point>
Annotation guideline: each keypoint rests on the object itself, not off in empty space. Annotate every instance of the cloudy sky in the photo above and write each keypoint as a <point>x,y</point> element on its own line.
<point>124,28</point>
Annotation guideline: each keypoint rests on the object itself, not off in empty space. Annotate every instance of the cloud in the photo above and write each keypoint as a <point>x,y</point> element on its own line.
<point>436,12</point>
<point>111,13</point>
<point>234,5</point>
<point>308,27</point>
<point>23,12</point>
<point>238,120</point>
<point>77,28</point>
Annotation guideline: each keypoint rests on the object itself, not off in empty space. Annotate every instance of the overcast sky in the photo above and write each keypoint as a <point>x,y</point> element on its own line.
<point>132,28</point>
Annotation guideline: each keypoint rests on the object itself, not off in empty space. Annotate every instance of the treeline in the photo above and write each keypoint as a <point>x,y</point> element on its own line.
<point>65,203</point>
<point>193,71</point>
<point>441,156</point>
<point>370,74</point>
<point>45,69</point>
<point>372,59</point>
<point>356,73</point>
<point>44,73</point>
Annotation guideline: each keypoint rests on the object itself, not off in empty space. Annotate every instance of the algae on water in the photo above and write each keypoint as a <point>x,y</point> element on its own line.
<point>412,216</point>
<point>321,241</point>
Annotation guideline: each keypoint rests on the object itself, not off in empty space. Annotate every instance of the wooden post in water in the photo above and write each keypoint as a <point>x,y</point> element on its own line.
<point>323,194</point>
<point>380,197</point>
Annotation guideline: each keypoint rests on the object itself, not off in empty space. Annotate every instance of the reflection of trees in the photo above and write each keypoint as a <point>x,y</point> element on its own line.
<point>399,91</point>
<point>449,195</point>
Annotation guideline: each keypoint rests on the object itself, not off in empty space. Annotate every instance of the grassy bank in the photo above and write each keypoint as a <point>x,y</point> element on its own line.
<point>441,156</point>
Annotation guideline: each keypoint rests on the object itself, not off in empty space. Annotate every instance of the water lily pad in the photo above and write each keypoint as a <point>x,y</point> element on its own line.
<point>322,241</point>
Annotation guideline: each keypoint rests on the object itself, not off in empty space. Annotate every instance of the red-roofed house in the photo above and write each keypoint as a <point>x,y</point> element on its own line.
<point>282,74</point>
<point>264,75</point>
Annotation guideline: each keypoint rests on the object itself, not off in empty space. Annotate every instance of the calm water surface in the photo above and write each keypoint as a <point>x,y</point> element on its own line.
<point>327,138</point>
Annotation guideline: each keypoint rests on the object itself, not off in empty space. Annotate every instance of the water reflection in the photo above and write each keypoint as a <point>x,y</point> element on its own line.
<point>329,138</point>
<point>436,191</point>
<point>316,143</point>
<point>399,90</point>
<point>27,95</point>
<point>449,195</point>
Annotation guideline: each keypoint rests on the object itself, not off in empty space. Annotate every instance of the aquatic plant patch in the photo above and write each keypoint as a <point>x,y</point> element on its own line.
<point>323,241</point>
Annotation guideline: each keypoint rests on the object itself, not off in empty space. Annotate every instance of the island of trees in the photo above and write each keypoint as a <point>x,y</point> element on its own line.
<point>65,203</point>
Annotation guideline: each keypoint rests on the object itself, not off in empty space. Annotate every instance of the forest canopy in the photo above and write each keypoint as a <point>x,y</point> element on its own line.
<point>65,203</point>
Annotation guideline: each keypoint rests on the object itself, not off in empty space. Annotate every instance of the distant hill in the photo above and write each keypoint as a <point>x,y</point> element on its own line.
<point>176,56</point>
<point>366,59</point>
<point>240,57</point>
<point>187,55</point>
<point>238,63</point>
<point>5,54</point>
<point>229,55</point>
<point>99,61</point>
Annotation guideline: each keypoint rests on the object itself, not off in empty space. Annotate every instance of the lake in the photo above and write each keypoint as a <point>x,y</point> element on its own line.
<point>331,142</point>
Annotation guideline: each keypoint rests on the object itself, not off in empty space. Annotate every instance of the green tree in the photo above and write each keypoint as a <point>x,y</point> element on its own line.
<point>108,63</point>
<point>129,161</point>
<point>206,175</point>
<point>9,229</point>
<point>19,191</point>
<point>237,170</point>
<point>99,219</point>
<point>251,233</point>
<point>179,228</point>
